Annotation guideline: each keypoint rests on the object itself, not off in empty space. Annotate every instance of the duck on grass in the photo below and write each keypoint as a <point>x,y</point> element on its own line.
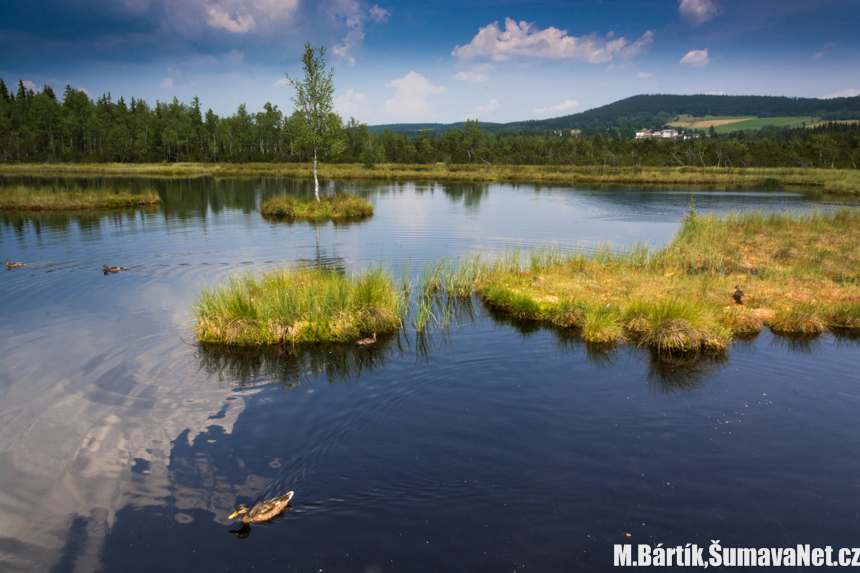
<point>339,206</point>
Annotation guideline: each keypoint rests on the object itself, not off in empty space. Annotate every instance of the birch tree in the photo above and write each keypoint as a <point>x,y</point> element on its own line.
<point>320,129</point>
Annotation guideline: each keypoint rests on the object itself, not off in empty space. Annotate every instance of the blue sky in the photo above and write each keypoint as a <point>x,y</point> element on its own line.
<point>435,60</point>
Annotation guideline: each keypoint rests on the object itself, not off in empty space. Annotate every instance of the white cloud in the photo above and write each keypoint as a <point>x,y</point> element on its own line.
<point>352,104</point>
<point>697,12</point>
<point>378,14</point>
<point>564,106</point>
<point>29,85</point>
<point>491,107</point>
<point>644,75</point>
<point>166,83</point>
<point>221,19</point>
<point>525,40</point>
<point>696,58</point>
<point>470,77</point>
<point>715,93</point>
<point>409,100</point>
<point>842,93</point>
<point>281,82</point>
<point>355,14</point>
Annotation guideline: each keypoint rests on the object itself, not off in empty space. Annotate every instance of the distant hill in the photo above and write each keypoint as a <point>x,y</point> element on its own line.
<point>657,110</point>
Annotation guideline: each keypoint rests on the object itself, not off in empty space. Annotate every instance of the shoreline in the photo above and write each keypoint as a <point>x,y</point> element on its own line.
<point>839,181</point>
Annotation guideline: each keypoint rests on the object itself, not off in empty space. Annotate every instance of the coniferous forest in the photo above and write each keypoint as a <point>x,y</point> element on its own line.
<point>45,127</point>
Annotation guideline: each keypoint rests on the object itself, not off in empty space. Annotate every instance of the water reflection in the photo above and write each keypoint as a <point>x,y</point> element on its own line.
<point>290,366</point>
<point>671,374</point>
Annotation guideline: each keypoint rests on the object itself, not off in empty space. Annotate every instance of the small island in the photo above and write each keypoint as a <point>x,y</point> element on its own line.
<point>339,206</point>
<point>290,306</point>
<point>24,198</point>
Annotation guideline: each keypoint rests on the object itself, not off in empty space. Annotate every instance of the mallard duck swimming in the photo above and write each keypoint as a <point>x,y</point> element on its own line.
<point>738,295</point>
<point>367,341</point>
<point>11,265</point>
<point>263,511</point>
<point>108,269</point>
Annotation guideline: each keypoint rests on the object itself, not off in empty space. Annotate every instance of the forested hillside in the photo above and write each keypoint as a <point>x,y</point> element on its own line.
<point>40,127</point>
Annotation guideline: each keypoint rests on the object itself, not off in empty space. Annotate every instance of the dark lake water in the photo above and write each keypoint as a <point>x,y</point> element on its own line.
<point>493,445</point>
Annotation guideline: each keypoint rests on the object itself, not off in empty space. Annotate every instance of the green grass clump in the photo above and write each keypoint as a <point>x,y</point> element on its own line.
<point>339,206</point>
<point>24,198</point>
<point>298,306</point>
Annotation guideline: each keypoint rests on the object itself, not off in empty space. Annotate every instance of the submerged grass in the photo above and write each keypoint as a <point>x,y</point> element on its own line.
<point>298,306</point>
<point>339,206</point>
<point>800,275</point>
<point>832,180</point>
<point>25,198</point>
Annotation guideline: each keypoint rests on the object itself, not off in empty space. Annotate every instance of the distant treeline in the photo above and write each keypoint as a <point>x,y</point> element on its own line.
<point>38,127</point>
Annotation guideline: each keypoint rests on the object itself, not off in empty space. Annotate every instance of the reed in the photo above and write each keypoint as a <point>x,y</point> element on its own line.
<point>24,198</point>
<point>339,206</point>
<point>298,306</point>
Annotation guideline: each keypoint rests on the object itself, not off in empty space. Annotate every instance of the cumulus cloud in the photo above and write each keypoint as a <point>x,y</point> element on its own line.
<point>236,16</point>
<point>526,40</point>
<point>29,85</point>
<point>242,24</point>
<point>352,104</point>
<point>410,98</point>
<point>840,93</point>
<point>644,75</point>
<point>696,58</point>
<point>564,106</point>
<point>697,12</point>
<point>355,14</point>
<point>281,83</point>
<point>166,83</point>
<point>491,107</point>
<point>470,77</point>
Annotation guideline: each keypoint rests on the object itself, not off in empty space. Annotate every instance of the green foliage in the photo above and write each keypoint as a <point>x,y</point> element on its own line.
<point>319,130</point>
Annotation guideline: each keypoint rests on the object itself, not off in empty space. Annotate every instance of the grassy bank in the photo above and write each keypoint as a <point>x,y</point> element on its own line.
<point>23,198</point>
<point>801,276</point>
<point>832,180</point>
<point>298,306</point>
<point>340,206</point>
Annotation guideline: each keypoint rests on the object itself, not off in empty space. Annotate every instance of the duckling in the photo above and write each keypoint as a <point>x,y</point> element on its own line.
<point>263,511</point>
<point>738,295</point>
<point>108,269</point>
<point>367,341</point>
<point>11,265</point>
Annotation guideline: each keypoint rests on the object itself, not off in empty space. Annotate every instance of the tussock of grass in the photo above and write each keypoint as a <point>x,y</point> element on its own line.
<point>801,276</point>
<point>340,206</point>
<point>298,306</point>
<point>24,198</point>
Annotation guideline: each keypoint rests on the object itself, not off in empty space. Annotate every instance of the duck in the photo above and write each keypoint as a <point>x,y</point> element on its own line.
<point>108,269</point>
<point>738,295</point>
<point>367,341</point>
<point>11,265</point>
<point>263,511</point>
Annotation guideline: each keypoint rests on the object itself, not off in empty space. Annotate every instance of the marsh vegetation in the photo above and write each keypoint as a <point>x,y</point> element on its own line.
<point>25,198</point>
<point>801,276</point>
<point>339,206</point>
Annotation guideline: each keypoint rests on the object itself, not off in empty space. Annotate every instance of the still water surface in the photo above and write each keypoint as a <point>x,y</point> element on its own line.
<point>494,445</point>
